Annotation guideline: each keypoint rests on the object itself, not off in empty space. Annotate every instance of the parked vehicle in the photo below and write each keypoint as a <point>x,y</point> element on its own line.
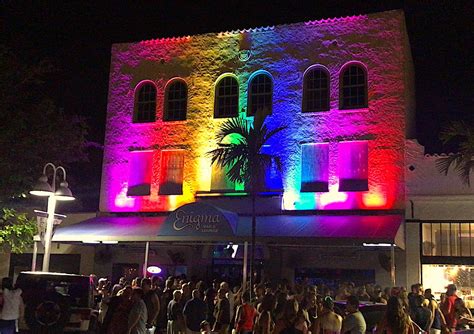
<point>55,302</point>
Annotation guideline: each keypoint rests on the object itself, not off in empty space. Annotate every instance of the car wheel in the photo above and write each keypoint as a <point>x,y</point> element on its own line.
<point>47,315</point>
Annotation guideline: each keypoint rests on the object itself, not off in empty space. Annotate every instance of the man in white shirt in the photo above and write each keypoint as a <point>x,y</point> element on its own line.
<point>12,306</point>
<point>354,322</point>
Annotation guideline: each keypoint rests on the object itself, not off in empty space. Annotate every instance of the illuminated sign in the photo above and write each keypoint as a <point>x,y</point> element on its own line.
<point>198,219</point>
<point>153,270</point>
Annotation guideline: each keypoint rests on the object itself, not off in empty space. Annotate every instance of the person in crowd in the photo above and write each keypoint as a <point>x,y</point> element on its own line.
<point>354,322</point>
<point>259,292</point>
<point>230,297</point>
<point>263,321</point>
<point>328,322</point>
<point>152,302</point>
<point>136,282</point>
<point>209,299</point>
<point>175,315</point>
<point>292,320</point>
<point>138,314</point>
<point>221,313</point>
<point>245,315</point>
<point>396,319</point>
<point>362,294</point>
<point>421,313</point>
<point>119,286</point>
<point>166,297</point>
<point>185,293</point>
<point>386,294</point>
<point>403,297</point>
<point>280,298</point>
<point>11,307</point>
<point>201,286</point>
<point>311,306</point>
<point>464,319</point>
<point>156,285</point>
<point>437,319</point>
<point>116,318</point>
<point>416,290</point>
<point>342,293</point>
<point>378,297</point>
<point>194,313</point>
<point>447,307</point>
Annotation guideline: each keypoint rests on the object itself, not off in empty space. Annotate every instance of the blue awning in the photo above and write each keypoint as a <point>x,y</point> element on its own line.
<point>354,229</point>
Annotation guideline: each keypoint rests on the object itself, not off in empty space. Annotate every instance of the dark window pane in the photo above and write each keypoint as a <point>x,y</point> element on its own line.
<point>315,91</point>
<point>145,104</point>
<point>260,94</point>
<point>354,88</point>
<point>177,95</point>
<point>227,97</point>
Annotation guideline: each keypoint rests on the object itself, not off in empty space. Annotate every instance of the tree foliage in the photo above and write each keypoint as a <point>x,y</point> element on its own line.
<point>239,151</point>
<point>462,162</point>
<point>16,231</point>
<point>34,130</point>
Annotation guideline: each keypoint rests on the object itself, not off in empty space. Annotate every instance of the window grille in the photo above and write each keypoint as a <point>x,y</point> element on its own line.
<point>316,90</point>
<point>176,101</point>
<point>145,104</point>
<point>260,95</point>
<point>171,178</point>
<point>354,88</point>
<point>227,98</point>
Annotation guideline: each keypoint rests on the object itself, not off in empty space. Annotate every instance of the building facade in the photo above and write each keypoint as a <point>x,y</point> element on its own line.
<point>343,89</point>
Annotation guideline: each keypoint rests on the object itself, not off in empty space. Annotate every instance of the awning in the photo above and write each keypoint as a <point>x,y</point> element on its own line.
<point>285,229</point>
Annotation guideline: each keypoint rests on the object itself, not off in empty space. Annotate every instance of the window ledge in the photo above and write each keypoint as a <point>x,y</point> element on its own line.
<point>143,123</point>
<point>355,110</point>
<point>235,194</point>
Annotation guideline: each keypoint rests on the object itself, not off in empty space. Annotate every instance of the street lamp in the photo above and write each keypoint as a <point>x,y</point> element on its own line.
<point>62,193</point>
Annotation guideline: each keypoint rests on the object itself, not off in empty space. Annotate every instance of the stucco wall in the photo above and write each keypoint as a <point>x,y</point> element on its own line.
<point>432,195</point>
<point>377,41</point>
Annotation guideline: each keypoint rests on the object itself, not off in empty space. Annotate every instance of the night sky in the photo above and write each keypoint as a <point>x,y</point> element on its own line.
<point>77,37</point>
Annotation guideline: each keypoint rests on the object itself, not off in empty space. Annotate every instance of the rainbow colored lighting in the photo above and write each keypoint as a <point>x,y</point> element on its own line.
<point>285,53</point>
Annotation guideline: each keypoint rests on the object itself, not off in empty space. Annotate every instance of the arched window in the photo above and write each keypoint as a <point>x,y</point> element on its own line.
<point>260,94</point>
<point>316,90</point>
<point>353,87</point>
<point>227,97</point>
<point>145,104</point>
<point>176,100</point>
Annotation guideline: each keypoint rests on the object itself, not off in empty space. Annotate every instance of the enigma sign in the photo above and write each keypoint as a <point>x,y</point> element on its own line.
<point>197,221</point>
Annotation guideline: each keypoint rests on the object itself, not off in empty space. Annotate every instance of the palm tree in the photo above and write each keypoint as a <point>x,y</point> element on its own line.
<point>462,161</point>
<point>239,152</point>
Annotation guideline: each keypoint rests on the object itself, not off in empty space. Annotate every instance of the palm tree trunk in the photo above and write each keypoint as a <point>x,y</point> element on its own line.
<point>252,256</point>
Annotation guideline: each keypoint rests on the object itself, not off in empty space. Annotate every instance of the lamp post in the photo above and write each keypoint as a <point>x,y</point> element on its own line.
<point>45,189</point>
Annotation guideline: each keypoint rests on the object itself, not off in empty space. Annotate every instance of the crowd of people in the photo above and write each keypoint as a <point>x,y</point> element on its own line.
<point>181,306</point>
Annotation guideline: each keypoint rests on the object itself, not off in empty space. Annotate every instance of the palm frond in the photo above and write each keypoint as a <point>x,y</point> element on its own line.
<point>463,169</point>
<point>443,164</point>
<point>455,129</point>
<point>271,133</point>
<point>241,156</point>
<point>236,125</point>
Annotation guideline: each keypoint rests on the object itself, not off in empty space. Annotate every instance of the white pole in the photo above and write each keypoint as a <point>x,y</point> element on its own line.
<point>244,271</point>
<point>35,255</point>
<point>392,264</point>
<point>49,232</point>
<point>145,265</point>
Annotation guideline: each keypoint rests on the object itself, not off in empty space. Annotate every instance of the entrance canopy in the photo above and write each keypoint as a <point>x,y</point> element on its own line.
<point>191,224</point>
